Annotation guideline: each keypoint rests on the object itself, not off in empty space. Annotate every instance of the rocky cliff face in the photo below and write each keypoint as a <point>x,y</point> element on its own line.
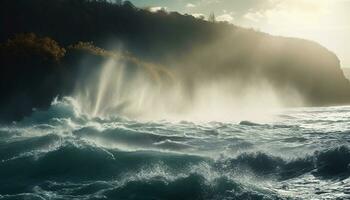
<point>193,50</point>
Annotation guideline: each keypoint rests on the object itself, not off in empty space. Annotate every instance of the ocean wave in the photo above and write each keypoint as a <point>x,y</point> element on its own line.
<point>330,163</point>
<point>65,108</point>
<point>21,146</point>
<point>192,186</point>
<point>135,139</point>
<point>24,196</point>
<point>78,157</point>
<point>62,153</point>
<point>83,162</point>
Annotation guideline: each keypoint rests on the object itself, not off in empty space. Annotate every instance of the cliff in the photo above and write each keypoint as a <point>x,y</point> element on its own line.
<point>197,50</point>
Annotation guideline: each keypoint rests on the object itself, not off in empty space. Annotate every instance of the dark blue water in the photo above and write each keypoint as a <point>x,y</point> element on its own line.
<point>60,154</point>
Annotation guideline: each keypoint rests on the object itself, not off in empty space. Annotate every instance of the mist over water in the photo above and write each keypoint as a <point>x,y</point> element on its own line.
<point>145,91</point>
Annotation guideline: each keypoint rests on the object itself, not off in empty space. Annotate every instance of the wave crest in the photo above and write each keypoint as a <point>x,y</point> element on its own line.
<point>334,162</point>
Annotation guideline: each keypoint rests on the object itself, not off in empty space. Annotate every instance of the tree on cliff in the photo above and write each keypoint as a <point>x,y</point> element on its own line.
<point>29,45</point>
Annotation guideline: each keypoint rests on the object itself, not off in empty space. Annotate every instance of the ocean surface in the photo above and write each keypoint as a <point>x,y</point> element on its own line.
<point>61,154</point>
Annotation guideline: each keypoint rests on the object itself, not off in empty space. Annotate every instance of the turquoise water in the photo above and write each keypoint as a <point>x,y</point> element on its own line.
<point>61,154</point>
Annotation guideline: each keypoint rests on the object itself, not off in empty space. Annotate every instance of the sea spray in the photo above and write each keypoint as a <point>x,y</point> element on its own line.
<point>126,86</point>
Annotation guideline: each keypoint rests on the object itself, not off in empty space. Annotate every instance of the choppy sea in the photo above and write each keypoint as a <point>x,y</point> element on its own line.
<point>61,154</point>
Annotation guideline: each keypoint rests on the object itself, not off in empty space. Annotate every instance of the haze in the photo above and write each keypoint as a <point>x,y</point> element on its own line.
<point>323,21</point>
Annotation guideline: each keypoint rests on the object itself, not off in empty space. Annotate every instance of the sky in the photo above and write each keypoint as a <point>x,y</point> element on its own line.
<point>324,21</point>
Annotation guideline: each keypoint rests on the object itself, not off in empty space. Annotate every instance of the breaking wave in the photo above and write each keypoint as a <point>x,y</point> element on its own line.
<point>62,153</point>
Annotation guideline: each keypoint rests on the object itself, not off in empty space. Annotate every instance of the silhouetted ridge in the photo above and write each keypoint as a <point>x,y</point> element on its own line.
<point>199,51</point>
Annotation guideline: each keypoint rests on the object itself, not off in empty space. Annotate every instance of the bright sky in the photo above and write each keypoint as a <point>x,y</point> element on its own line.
<point>324,21</point>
